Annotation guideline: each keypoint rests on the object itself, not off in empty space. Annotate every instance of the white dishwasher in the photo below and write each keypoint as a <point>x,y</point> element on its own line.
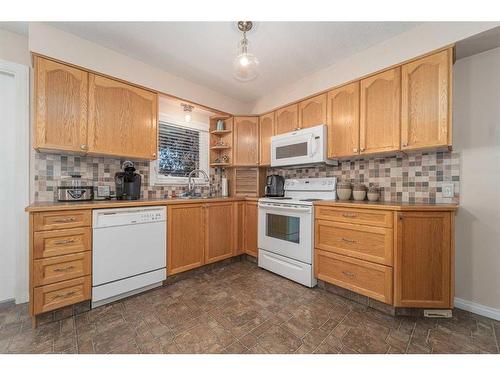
<point>129,252</point>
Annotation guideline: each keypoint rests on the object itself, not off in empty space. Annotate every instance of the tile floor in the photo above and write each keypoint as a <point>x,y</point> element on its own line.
<point>240,308</point>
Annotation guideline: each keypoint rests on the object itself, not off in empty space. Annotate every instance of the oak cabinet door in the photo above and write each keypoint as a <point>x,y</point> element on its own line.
<point>266,125</point>
<point>380,112</point>
<point>423,260</point>
<point>219,233</point>
<point>60,106</point>
<point>246,141</point>
<point>239,228</point>
<point>426,97</point>
<point>287,119</point>
<point>185,237</point>
<point>343,121</point>
<point>251,218</point>
<point>122,119</point>
<point>312,112</point>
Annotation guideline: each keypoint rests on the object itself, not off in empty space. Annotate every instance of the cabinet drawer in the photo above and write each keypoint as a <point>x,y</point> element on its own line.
<point>61,220</point>
<point>54,296</point>
<point>61,242</point>
<point>66,267</point>
<point>378,218</point>
<point>374,244</point>
<point>369,279</point>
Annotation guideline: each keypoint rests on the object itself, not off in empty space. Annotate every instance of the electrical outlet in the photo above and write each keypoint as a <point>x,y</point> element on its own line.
<point>447,190</point>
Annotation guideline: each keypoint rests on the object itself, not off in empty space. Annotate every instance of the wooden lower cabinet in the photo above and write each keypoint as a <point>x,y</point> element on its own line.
<point>204,233</point>
<point>185,237</point>
<point>423,260</point>
<point>219,234</point>
<point>60,259</point>
<point>403,258</point>
<point>251,233</point>
<point>239,227</point>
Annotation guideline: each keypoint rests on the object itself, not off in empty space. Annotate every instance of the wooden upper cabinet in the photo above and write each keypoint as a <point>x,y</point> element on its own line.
<point>343,121</point>
<point>220,231</point>
<point>60,106</point>
<point>287,119</point>
<point>246,141</point>
<point>122,119</point>
<point>266,126</point>
<point>426,98</point>
<point>380,112</point>
<point>312,111</point>
<point>186,237</point>
<point>423,260</point>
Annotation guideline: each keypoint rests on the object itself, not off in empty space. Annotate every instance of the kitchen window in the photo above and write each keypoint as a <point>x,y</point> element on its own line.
<point>181,149</point>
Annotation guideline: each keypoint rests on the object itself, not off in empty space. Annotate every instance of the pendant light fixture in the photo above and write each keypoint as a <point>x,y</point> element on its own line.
<point>187,111</point>
<point>245,64</point>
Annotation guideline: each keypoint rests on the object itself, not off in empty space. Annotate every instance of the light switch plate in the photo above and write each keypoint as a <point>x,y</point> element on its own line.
<point>103,191</point>
<point>448,191</point>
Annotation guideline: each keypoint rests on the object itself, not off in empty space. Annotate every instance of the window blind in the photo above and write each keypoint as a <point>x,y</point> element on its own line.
<point>181,150</point>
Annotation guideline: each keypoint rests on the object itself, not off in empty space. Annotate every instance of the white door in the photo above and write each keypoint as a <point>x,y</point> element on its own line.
<point>14,183</point>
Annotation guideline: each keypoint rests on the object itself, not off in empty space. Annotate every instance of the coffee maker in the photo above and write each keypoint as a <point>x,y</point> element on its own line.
<point>128,183</point>
<point>275,186</point>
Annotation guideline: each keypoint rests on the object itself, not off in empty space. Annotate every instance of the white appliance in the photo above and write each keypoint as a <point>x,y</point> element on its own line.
<point>306,146</point>
<point>128,252</point>
<point>286,228</point>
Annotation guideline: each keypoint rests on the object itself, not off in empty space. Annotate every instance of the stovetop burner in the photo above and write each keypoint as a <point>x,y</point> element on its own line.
<point>279,197</point>
<point>310,200</point>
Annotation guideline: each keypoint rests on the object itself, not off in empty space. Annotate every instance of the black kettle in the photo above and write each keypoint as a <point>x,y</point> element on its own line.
<point>275,186</point>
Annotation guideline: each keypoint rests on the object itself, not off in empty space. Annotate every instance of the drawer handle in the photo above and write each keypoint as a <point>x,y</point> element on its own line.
<point>63,242</point>
<point>348,240</point>
<point>348,214</point>
<point>65,220</point>
<point>64,269</point>
<point>348,274</point>
<point>65,295</point>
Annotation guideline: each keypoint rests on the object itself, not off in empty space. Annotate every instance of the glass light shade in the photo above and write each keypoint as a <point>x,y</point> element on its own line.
<point>245,66</point>
<point>187,117</point>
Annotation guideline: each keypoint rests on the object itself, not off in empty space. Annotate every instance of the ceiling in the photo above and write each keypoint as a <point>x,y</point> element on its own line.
<point>203,52</point>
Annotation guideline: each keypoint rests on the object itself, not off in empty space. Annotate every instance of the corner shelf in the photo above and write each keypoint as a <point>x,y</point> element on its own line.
<point>225,136</point>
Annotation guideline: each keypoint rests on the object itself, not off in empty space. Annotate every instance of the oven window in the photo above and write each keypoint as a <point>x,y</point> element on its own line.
<point>286,228</point>
<point>291,151</point>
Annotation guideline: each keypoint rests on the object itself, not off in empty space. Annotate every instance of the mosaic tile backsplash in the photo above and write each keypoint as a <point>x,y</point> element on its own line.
<point>49,168</point>
<point>416,178</point>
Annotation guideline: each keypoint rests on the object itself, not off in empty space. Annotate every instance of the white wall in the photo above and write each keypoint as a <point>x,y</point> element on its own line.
<point>14,184</point>
<point>67,47</point>
<point>14,47</point>
<point>415,42</point>
<point>476,126</point>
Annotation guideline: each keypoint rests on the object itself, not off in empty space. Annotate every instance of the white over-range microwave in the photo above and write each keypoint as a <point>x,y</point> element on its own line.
<point>306,146</point>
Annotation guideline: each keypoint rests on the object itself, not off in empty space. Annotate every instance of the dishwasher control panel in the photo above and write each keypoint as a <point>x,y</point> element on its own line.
<point>110,217</point>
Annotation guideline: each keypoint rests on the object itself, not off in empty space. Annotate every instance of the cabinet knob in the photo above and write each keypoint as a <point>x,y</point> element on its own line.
<point>83,147</point>
<point>405,144</point>
<point>362,149</point>
<point>355,150</point>
<point>154,154</point>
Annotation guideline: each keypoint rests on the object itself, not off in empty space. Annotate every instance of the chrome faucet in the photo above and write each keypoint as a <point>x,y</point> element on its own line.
<point>192,182</point>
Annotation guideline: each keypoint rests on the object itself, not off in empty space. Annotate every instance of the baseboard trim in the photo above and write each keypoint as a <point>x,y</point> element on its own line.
<point>476,308</point>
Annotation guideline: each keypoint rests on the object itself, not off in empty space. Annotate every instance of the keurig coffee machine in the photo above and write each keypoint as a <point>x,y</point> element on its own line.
<point>128,183</point>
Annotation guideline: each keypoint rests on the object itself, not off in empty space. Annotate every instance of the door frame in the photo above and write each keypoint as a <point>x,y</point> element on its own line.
<point>20,73</point>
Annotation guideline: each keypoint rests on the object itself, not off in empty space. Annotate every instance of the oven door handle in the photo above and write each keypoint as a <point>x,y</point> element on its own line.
<point>289,209</point>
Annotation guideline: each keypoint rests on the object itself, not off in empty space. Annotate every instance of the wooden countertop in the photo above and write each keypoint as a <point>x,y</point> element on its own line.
<point>392,206</point>
<point>60,206</point>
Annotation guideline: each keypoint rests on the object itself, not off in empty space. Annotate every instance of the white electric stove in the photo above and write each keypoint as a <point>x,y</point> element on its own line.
<point>286,228</point>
